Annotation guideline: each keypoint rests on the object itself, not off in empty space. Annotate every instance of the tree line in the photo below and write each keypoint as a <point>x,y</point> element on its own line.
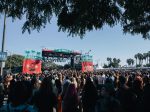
<point>140,60</point>
<point>112,62</point>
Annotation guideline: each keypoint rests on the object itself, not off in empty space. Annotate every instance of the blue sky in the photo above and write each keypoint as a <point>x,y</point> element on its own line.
<point>107,42</point>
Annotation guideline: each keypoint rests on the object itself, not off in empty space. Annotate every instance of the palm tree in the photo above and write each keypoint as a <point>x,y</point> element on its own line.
<point>145,57</point>
<point>148,57</point>
<point>109,60</point>
<point>116,62</point>
<point>129,62</point>
<point>136,57</point>
<point>132,62</point>
<point>140,57</point>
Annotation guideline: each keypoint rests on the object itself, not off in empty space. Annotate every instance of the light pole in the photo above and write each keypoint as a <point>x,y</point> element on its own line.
<point>4,31</point>
<point>3,43</point>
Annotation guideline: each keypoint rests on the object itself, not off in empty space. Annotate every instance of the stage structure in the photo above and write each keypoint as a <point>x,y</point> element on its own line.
<point>61,55</point>
<point>33,60</point>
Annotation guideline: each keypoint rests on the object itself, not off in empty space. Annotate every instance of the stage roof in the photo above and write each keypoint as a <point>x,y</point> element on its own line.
<point>62,53</point>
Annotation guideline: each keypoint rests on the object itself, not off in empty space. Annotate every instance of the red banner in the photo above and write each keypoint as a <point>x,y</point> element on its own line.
<point>87,66</point>
<point>31,66</point>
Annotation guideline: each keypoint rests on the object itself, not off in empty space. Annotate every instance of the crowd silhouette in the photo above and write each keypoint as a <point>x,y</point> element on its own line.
<point>74,91</point>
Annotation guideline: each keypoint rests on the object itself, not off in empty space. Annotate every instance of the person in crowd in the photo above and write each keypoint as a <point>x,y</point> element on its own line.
<point>130,81</point>
<point>82,82</point>
<point>107,101</point>
<point>59,97</point>
<point>65,85</point>
<point>35,84</point>
<point>89,96</point>
<point>73,81</point>
<point>71,99</point>
<point>126,97</point>
<point>1,92</point>
<point>19,95</point>
<point>137,89</point>
<point>146,95</point>
<point>45,100</point>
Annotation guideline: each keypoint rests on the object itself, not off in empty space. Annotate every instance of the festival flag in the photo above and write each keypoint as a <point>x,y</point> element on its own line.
<point>87,66</point>
<point>31,66</point>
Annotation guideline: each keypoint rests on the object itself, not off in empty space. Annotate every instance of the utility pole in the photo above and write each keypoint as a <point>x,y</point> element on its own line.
<point>3,43</point>
<point>4,31</point>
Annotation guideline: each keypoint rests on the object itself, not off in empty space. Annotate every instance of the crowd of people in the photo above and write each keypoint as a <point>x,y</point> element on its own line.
<point>74,91</point>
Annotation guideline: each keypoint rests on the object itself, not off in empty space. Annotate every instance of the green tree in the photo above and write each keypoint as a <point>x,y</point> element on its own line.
<point>113,62</point>
<point>145,57</point>
<point>141,58</point>
<point>109,60</point>
<point>130,62</point>
<point>80,16</point>
<point>149,57</point>
<point>136,58</point>
<point>105,66</point>
<point>14,60</point>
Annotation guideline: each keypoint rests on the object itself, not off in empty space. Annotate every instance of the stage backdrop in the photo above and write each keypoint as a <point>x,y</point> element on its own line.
<point>32,66</point>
